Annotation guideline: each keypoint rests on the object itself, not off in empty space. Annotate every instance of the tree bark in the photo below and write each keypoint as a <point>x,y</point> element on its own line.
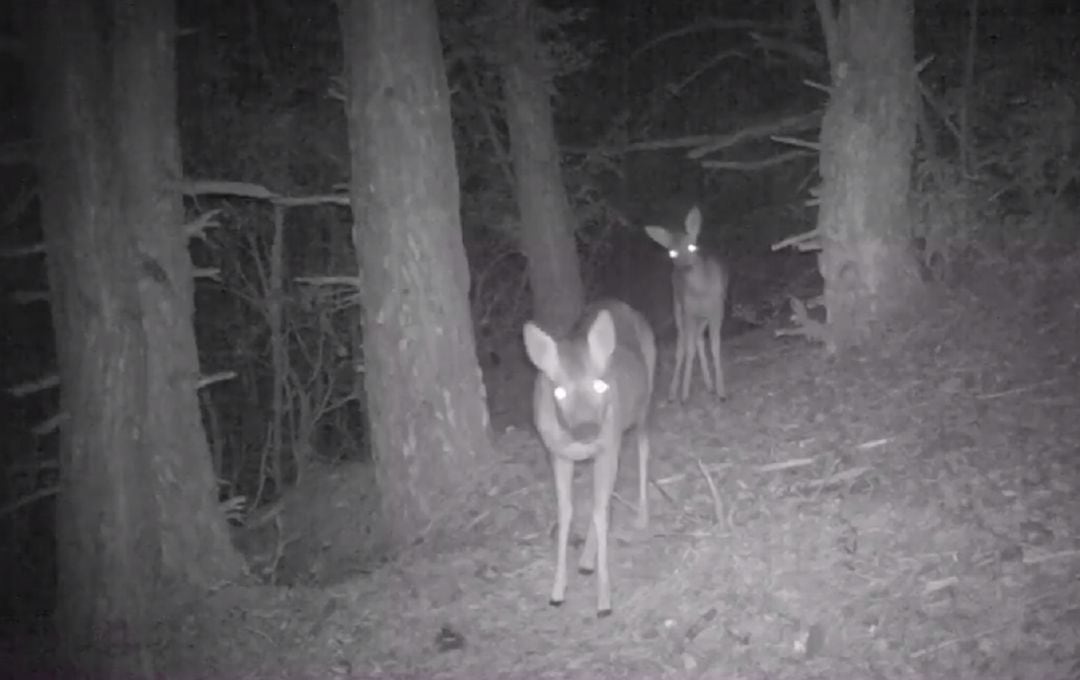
<point>427,408</point>
<point>867,139</point>
<point>547,230</point>
<point>195,546</point>
<point>106,519</point>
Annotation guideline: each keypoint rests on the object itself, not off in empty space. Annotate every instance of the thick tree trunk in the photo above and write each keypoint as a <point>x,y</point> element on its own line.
<point>427,408</point>
<point>106,515</point>
<point>195,545</point>
<point>867,139</point>
<point>547,230</point>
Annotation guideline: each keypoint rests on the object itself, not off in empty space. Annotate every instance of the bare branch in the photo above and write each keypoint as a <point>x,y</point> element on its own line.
<point>818,86</point>
<point>353,281</point>
<point>41,494</point>
<point>318,199</point>
<point>502,154</point>
<point>748,166</point>
<point>801,143</point>
<point>797,50</point>
<point>34,386</point>
<point>698,27</point>
<point>205,187</point>
<point>51,425</point>
<point>221,376</point>
<point>703,68</point>
<point>196,227</point>
<point>808,239</point>
<point>652,145</point>
<point>800,121</point>
<point>27,297</point>
<point>25,251</point>
<point>829,29</point>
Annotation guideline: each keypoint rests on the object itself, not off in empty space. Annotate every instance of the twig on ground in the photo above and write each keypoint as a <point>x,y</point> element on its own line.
<point>785,465</point>
<point>832,473</point>
<point>956,641</point>
<point>1018,390</point>
<point>663,493</point>
<point>1046,557</point>
<point>718,505</point>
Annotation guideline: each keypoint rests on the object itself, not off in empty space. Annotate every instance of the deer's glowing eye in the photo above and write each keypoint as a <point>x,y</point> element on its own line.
<point>599,386</point>
<point>692,247</point>
<point>673,254</point>
<point>560,393</point>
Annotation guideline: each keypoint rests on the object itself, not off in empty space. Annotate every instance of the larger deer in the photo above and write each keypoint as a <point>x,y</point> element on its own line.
<point>593,386</point>
<point>700,284</point>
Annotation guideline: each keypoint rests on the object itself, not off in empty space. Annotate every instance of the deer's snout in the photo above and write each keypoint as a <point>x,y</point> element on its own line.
<point>585,433</point>
<point>582,418</point>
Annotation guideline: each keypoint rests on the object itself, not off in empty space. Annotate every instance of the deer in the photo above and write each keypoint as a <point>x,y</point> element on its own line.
<point>700,288</point>
<point>592,387</point>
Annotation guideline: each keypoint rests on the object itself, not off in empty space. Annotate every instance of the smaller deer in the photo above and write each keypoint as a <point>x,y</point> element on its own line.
<point>592,387</point>
<point>700,284</point>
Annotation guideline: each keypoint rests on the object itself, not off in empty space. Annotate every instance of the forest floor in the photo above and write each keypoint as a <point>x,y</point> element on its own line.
<point>906,513</point>
<point>910,512</point>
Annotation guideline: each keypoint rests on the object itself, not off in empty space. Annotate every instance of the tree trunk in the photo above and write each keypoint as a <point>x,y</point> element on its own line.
<point>195,545</point>
<point>106,518</point>
<point>427,408</point>
<point>137,511</point>
<point>547,230</point>
<point>867,139</point>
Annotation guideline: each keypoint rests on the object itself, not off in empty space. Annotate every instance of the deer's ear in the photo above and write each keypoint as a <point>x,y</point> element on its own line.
<point>543,351</point>
<point>661,236</point>
<point>693,223</point>
<point>601,341</point>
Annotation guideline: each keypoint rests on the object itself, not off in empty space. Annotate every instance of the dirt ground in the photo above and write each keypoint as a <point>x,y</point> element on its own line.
<point>905,513</point>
